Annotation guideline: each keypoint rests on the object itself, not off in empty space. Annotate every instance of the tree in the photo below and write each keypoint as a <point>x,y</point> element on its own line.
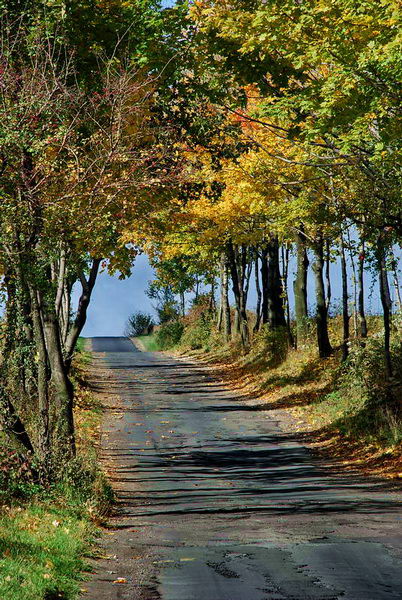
<point>138,323</point>
<point>74,159</point>
<point>166,305</point>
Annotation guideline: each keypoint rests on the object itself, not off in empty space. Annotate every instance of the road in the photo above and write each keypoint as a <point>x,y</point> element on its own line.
<point>216,501</point>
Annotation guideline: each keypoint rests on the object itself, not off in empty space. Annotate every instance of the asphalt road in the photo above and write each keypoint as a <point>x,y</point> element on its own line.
<point>215,501</point>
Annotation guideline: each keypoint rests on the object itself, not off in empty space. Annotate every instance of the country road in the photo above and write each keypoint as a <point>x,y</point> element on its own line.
<point>215,501</point>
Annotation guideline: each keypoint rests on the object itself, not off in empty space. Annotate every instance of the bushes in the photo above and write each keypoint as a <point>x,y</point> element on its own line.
<point>198,323</point>
<point>18,477</point>
<point>363,375</point>
<point>192,332</point>
<point>169,334</point>
<point>138,323</point>
<point>271,345</point>
<point>364,404</point>
<point>197,334</point>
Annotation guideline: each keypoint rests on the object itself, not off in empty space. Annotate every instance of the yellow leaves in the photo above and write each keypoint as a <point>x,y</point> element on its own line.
<point>119,581</point>
<point>241,196</point>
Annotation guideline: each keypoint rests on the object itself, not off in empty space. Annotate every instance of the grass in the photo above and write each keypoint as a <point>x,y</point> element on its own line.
<point>81,345</point>
<point>46,535</point>
<point>149,342</point>
<point>43,549</point>
<point>83,356</point>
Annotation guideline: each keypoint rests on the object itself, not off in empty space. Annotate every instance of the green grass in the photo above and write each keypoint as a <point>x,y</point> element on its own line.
<point>81,344</point>
<point>150,342</point>
<point>82,355</point>
<point>42,552</point>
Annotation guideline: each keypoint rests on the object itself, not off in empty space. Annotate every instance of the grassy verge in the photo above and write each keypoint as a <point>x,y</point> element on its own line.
<point>347,411</point>
<point>150,342</point>
<point>47,534</point>
<point>43,548</point>
<point>81,349</point>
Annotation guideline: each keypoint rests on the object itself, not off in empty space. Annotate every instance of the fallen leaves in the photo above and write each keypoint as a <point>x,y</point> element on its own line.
<point>119,581</point>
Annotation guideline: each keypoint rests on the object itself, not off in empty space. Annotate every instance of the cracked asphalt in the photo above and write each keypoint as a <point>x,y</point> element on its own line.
<point>216,501</point>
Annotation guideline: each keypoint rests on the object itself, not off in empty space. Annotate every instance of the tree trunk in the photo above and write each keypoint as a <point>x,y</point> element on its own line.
<point>324,345</point>
<point>222,269</point>
<point>12,424</point>
<point>345,301</point>
<point>285,272</point>
<point>212,301</point>
<point>81,316</point>
<point>300,290</point>
<point>61,389</point>
<point>61,278</point>
<point>355,283</point>
<point>259,294</point>
<point>328,274</point>
<point>264,284</point>
<point>227,325</point>
<point>246,270</point>
<point>360,299</point>
<point>44,441</point>
<point>273,312</point>
<point>397,289</point>
<point>64,315</point>
<point>386,307</point>
<point>239,296</point>
<point>224,308</point>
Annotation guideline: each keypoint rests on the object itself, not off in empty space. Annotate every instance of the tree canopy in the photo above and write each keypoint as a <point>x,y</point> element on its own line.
<point>219,137</point>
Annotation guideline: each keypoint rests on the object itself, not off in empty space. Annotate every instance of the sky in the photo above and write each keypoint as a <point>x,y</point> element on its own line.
<point>113,300</point>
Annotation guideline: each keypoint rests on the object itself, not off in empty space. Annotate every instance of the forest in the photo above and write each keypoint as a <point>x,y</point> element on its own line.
<point>226,140</point>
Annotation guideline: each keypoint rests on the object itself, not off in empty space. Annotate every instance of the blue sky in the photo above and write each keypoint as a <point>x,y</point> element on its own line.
<point>113,300</point>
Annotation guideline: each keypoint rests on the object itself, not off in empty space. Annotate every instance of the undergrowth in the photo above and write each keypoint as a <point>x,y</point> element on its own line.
<point>352,399</point>
<point>169,334</point>
<point>149,342</point>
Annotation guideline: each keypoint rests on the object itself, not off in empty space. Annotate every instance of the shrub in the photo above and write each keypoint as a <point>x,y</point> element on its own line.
<point>363,375</point>
<point>364,402</point>
<point>169,334</point>
<point>82,484</point>
<point>167,312</point>
<point>197,334</point>
<point>138,323</point>
<point>271,345</point>
<point>18,476</point>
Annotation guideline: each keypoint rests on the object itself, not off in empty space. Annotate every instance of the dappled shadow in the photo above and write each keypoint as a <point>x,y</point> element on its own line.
<point>317,508</point>
<point>255,474</point>
<point>336,442</point>
<point>303,398</point>
<point>308,374</point>
<point>233,466</point>
<point>17,548</point>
